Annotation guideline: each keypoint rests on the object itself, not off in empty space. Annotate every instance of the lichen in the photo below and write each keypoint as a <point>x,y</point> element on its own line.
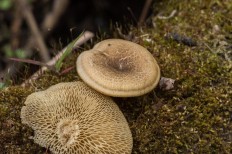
<point>194,117</point>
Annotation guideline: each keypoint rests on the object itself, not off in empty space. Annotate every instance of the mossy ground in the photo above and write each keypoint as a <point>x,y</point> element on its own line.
<point>194,117</point>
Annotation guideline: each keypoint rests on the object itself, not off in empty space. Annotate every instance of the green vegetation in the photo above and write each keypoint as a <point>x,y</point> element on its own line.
<point>194,117</point>
<point>5,4</point>
<point>67,52</point>
<point>13,53</point>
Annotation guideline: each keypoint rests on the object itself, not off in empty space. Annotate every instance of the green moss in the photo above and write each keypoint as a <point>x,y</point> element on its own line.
<point>194,117</point>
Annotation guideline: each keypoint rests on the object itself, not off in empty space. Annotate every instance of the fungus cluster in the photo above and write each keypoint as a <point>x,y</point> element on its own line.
<point>119,68</point>
<point>73,118</point>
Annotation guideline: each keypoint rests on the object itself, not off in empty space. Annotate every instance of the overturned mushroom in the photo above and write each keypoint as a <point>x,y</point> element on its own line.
<point>119,68</point>
<point>72,118</point>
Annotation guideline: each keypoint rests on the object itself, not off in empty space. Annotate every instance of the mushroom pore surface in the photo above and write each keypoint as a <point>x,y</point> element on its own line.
<point>72,118</point>
<point>119,68</point>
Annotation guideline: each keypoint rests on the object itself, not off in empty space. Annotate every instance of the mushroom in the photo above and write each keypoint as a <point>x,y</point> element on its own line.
<point>73,118</point>
<point>119,68</point>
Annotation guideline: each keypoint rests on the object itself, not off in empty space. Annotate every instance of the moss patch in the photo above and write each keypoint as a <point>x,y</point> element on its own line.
<point>194,117</point>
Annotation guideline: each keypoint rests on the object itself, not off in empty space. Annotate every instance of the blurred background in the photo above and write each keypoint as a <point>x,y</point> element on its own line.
<point>38,29</point>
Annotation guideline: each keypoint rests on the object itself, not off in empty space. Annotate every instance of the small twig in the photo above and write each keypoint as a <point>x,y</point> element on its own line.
<point>181,39</point>
<point>34,29</point>
<point>167,17</point>
<point>129,37</point>
<point>144,12</point>
<point>67,70</point>
<point>132,14</point>
<point>209,47</point>
<point>29,61</point>
<point>49,21</point>
<point>52,18</point>
<point>15,28</point>
<point>84,38</point>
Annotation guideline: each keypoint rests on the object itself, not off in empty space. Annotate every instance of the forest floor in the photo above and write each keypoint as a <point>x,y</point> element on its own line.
<point>192,42</point>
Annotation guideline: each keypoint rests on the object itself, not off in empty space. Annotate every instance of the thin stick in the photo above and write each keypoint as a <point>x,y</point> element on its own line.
<point>84,38</point>
<point>51,19</point>
<point>144,12</point>
<point>29,61</point>
<point>167,17</point>
<point>35,30</point>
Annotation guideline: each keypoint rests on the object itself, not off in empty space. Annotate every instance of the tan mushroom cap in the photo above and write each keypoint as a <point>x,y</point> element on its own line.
<point>72,118</point>
<point>119,68</point>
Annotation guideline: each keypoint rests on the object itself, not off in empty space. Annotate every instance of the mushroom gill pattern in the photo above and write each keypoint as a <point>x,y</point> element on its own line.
<point>72,118</point>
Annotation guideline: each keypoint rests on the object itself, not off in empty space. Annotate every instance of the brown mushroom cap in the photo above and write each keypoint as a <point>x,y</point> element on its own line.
<point>73,118</point>
<point>119,68</point>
